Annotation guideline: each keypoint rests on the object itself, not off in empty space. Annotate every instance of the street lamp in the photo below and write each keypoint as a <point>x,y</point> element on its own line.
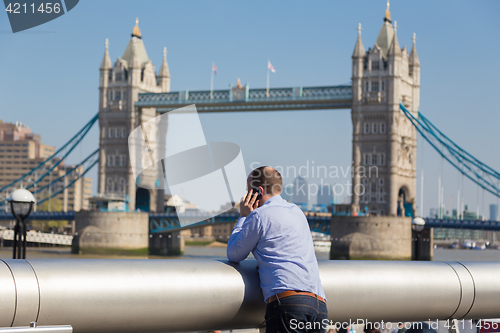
<point>418,225</point>
<point>21,204</point>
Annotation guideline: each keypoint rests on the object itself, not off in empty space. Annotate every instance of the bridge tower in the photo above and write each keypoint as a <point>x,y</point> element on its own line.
<point>119,88</point>
<point>384,141</point>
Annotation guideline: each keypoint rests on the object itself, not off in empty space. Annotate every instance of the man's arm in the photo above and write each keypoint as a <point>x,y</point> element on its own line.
<point>244,238</point>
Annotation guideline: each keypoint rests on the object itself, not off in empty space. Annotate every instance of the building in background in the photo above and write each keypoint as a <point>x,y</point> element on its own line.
<point>178,205</point>
<point>325,195</point>
<point>300,192</point>
<point>287,192</point>
<point>462,235</point>
<point>433,213</point>
<point>493,212</point>
<point>21,151</point>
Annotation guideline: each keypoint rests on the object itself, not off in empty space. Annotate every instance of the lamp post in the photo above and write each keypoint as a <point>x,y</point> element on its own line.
<point>21,204</point>
<point>418,225</point>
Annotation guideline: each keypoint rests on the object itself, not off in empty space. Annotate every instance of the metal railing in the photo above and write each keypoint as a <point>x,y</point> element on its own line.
<point>199,295</point>
<point>39,237</point>
<point>34,328</point>
<point>278,98</point>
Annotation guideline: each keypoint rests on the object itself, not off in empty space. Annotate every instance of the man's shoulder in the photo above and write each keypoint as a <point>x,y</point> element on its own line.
<point>275,206</point>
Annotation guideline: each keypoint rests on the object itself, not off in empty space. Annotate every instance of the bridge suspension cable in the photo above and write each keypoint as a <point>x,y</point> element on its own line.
<point>88,163</point>
<point>480,173</point>
<point>34,176</point>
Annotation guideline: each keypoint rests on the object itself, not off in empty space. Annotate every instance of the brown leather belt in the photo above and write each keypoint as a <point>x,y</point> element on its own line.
<point>293,293</point>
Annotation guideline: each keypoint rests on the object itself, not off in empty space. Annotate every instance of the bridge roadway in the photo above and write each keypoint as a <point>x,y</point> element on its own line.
<point>162,222</point>
<point>168,222</point>
<point>244,99</point>
<point>45,216</point>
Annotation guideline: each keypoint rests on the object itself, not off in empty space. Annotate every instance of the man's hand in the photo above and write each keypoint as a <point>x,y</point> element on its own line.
<point>248,203</point>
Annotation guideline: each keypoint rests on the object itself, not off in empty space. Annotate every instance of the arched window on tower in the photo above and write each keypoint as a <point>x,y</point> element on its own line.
<point>122,186</point>
<point>367,128</point>
<point>109,184</point>
<point>382,128</point>
<point>375,65</point>
<point>368,159</point>
<point>110,132</point>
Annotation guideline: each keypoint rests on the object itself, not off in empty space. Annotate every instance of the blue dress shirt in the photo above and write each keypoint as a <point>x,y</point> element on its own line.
<point>278,235</point>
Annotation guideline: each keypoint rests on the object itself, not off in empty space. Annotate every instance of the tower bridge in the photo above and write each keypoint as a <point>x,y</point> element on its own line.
<point>384,99</point>
<point>131,93</point>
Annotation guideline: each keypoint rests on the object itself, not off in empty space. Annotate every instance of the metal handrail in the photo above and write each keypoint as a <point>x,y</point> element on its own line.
<point>199,295</point>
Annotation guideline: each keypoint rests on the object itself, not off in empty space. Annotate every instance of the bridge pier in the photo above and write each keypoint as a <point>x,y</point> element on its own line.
<point>171,243</point>
<point>370,237</point>
<point>111,232</point>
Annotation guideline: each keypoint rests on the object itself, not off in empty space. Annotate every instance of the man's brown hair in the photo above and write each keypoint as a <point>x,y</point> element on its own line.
<point>267,177</point>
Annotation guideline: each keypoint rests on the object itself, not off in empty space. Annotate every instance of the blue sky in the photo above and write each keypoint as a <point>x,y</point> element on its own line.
<point>49,75</point>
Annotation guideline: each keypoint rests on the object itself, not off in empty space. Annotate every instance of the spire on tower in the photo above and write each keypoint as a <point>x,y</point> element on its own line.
<point>359,49</point>
<point>136,32</point>
<point>135,54</point>
<point>413,55</point>
<point>386,34</point>
<point>164,72</point>
<point>106,60</point>
<point>387,17</point>
<point>395,50</point>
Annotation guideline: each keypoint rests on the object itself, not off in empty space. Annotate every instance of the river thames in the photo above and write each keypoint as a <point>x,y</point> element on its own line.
<point>219,253</point>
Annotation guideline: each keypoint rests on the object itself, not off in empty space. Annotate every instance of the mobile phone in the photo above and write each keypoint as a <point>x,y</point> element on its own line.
<point>257,190</point>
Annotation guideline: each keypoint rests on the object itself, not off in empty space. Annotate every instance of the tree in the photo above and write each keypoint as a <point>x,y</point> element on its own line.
<point>55,206</point>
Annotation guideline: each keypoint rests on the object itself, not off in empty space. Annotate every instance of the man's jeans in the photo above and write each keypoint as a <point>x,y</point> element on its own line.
<point>298,313</point>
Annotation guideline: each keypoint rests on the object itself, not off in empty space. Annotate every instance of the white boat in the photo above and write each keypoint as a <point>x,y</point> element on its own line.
<point>322,246</point>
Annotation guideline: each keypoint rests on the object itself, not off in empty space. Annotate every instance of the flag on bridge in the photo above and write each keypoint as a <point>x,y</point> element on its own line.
<point>214,71</point>
<point>271,68</point>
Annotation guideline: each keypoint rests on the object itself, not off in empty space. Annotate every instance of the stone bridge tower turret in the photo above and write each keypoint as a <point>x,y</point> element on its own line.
<point>384,141</point>
<point>119,88</point>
